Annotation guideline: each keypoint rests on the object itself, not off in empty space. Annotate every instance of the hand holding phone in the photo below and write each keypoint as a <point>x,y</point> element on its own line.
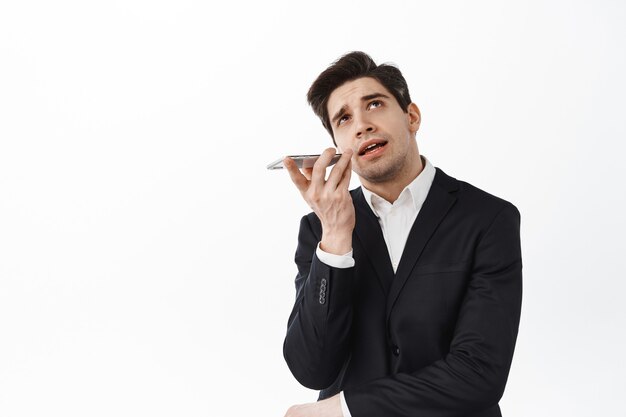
<point>329,198</point>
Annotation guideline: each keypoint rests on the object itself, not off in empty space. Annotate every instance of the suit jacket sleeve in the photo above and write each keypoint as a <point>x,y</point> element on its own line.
<point>472,376</point>
<point>318,334</point>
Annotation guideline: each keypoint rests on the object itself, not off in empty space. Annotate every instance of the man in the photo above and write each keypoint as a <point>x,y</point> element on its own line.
<point>409,287</point>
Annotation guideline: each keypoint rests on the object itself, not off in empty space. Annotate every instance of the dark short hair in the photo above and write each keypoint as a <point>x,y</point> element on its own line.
<point>348,68</point>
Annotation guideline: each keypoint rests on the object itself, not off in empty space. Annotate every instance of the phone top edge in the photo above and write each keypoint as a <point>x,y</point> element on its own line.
<point>277,164</point>
<point>300,160</point>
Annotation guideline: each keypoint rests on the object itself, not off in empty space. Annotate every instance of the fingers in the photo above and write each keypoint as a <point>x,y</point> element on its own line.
<point>347,174</point>
<point>301,181</point>
<point>318,176</point>
<point>338,172</point>
<point>310,179</point>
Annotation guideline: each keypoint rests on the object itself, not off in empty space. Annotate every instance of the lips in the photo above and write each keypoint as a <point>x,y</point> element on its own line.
<point>371,146</point>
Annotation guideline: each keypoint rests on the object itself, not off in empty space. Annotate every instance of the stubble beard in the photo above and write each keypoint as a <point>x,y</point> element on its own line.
<point>383,171</point>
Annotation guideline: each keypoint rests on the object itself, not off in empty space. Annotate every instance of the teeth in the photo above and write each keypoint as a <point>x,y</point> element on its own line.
<point>370,147</point>
<point>367,148</point>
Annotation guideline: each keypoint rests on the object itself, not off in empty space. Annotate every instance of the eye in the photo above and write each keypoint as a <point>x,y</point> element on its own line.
<point>342,119</point>
<point>374,104</point>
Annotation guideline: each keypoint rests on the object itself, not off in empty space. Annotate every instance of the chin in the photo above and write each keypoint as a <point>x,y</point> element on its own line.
<point>378,174</point>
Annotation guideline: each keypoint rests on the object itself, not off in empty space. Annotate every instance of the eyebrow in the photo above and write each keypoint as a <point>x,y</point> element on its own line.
<point>368,97</point>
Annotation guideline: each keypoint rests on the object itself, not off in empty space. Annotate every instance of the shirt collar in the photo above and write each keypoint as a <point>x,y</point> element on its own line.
<point>417,190</point>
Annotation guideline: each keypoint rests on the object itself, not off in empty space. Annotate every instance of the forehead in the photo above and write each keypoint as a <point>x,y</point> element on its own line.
<point>350,93</point>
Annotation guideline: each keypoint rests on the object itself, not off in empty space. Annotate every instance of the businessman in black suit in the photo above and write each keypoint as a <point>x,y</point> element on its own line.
<point>409,287</point>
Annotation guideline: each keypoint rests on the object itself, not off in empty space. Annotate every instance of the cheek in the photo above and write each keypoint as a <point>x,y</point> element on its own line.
<point>341,144</point>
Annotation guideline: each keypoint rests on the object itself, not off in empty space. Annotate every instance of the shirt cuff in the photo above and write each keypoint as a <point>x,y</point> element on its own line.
<point>344,406</point>
<point>335,261</point>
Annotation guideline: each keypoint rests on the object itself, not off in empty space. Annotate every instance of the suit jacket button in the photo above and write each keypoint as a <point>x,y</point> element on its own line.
<point>322,298</point>
<point>395,350</point>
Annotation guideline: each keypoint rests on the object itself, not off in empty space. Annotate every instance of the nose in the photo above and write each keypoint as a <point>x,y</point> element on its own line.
<point>363,126</point>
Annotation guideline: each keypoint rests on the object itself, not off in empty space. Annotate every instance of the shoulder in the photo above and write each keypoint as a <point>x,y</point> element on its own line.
<point>471,200</point>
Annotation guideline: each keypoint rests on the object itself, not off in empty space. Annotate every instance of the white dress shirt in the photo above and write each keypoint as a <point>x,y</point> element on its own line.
<point>395,219</point>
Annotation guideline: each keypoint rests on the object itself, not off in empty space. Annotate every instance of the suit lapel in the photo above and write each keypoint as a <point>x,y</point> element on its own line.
<point>371,241</point>
<point>435,207</point>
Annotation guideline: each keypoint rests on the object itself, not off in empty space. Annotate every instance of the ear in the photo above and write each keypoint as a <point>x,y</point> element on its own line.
<point>413,113</point>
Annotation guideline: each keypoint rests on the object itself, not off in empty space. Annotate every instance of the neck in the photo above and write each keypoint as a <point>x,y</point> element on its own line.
<point>390,190</point>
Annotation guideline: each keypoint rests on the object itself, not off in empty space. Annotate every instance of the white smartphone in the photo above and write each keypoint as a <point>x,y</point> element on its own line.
<point>302,161</point>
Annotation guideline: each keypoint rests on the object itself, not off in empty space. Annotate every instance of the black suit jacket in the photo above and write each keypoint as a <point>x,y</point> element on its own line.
<point>436,338</point>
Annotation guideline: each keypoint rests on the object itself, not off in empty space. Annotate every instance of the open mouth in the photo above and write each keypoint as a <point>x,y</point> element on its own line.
<point>372,147</point>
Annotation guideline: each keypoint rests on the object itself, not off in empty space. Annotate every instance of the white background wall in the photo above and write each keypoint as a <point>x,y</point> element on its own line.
<point>146,255</point>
